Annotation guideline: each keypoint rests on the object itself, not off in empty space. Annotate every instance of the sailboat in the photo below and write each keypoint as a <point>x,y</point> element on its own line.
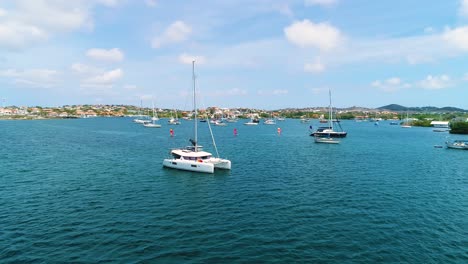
<point>270,121</point>
<point>174,121</point>
<point>406,124</point>
<point>140,120</point>
<point>329,131</point>
<point>193,158</point>
<point>153,123</point>
<point>253,121</point>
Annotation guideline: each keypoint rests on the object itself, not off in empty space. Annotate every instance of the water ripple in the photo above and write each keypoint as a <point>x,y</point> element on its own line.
<point>93,190</point>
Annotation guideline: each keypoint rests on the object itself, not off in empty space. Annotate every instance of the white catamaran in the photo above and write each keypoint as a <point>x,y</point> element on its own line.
<point>193,158</point>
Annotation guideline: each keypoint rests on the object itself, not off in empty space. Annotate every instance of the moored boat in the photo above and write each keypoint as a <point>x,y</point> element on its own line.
<point>329,131</point>
<point>193,158</point>
<point>457,144</point>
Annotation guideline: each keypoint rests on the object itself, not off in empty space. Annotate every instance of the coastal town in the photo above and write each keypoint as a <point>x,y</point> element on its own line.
<point>419,116</point>
<point>357,113</point>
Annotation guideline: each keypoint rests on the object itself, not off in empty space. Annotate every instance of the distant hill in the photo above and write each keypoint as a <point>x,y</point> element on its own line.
<point>393,107</point>
<point>400,108</point>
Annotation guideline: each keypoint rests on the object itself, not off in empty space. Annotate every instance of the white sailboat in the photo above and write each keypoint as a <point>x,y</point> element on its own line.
<point>270,121</point>
<point>406,124</point>
<point>140,119</point>
<point>153,123</point>
<point>193,158</point>
<point>251,123</point>
<point>172,120</point>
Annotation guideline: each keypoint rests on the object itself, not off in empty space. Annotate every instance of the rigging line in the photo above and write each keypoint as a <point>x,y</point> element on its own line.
<point>209,125</point>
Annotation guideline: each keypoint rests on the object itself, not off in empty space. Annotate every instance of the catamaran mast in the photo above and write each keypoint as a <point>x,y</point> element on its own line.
<point>195,105</point>
<point>330,109</point>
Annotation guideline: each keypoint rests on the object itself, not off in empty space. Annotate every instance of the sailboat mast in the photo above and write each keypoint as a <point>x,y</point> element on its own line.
<point>195,106</point>
<point>330,106</point>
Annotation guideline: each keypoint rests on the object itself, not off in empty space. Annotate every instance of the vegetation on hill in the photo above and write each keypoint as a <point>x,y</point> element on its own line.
<point>400,108</point>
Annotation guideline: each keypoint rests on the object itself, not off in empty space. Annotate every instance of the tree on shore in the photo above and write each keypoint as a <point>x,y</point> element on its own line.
<point>459,127</point>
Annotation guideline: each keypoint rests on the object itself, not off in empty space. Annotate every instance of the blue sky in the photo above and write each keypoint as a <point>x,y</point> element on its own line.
<point>264,54</point>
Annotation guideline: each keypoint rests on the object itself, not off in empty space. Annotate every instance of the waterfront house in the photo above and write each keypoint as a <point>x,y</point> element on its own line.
<point>443,124</point>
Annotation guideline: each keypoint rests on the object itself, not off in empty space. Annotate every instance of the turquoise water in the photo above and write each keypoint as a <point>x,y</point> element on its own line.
<point>92,190</point>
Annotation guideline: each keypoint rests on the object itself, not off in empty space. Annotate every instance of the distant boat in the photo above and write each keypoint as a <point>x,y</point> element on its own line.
<point>174,121</point>
<point>406,124</point>
<point>322,119</point>
<point>393,123</point>
<point>193,158</point>
<point>280,118</point>
<point>251,123</point>
<point>270,121</point>
<point>231,119</point>
<point>304,119</point>
<point>153,123</point>
<point>141,119</point>
<point>329,130</point>
<point>220,123</point>
<point>457,144</point>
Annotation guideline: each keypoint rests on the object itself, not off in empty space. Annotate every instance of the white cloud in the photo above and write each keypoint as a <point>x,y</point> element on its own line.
<point>429,83</point>
<point>53,16</point>
<point>315,67</point>
<point>94,77</point>
<point>24,22</point>
<point>308,34</point>
<point>43,78</point>
<point>390,85</point>
<point>84,69</point>
<point>436,82</point>
<point>463,8</point>
<point>187,59</point>
<point>15,36</point>
<point>111,55</point>
<point>27,22</point>
<point>320,2</point>
<point>457,37</point>
<point>177,32</point>
<point>105,78</point>
<point>151,3</point>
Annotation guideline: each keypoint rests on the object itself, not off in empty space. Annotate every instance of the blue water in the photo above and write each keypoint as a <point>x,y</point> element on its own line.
<point>94,190</point>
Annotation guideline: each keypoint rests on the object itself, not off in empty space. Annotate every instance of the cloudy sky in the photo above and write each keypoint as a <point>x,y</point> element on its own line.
<point>264,53</point>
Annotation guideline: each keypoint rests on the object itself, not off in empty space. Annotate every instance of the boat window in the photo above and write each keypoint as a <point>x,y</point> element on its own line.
<point>174,163</point>
<point>176,156</point>
<point>194,166</point>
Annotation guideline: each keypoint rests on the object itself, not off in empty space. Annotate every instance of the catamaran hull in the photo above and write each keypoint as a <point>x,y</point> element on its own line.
<point>223,164</point>
<point>189,165</point>
<point>207,166</point>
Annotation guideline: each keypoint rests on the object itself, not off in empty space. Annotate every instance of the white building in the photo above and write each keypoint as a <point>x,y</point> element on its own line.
<point>443,124</point>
